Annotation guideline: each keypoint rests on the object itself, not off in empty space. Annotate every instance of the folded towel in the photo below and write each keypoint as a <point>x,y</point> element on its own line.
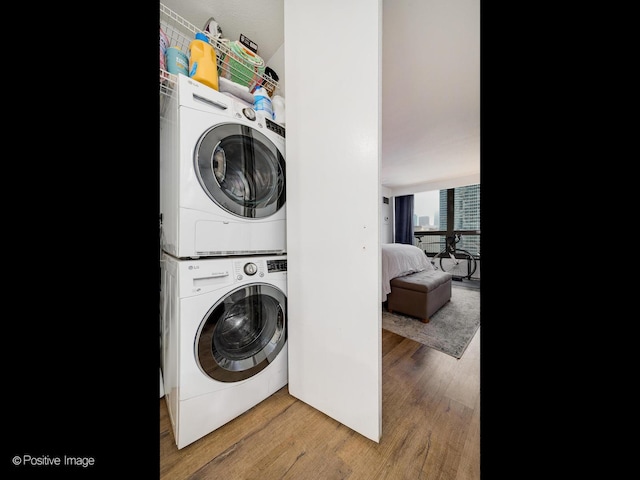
<point>238,100</point>
<point>235,89</point>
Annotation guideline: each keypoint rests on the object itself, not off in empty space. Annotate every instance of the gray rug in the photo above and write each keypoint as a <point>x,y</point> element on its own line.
<point>450,329</point>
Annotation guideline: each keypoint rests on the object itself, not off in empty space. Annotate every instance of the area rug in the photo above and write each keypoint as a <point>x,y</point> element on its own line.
<point>450,329</point>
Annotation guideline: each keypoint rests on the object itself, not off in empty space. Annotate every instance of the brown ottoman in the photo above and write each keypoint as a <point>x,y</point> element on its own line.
<point>420,294</point>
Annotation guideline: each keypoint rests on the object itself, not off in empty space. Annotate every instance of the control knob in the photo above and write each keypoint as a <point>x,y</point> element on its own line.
<point>250,268</point>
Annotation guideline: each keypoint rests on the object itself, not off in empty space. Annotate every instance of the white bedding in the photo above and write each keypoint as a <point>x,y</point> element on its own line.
<point>400,259</point>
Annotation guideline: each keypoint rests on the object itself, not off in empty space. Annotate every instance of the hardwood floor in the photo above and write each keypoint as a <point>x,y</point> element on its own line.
<point>430,429</point>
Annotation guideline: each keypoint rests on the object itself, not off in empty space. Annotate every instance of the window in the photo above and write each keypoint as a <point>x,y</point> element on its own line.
<point>439,213</point>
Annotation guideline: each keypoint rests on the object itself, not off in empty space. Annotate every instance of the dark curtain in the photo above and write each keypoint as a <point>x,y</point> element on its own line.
<point>404,219</point>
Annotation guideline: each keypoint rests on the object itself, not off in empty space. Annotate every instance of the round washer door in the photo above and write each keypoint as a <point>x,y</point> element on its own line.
<point>241,170</point>
<point>242,333</point>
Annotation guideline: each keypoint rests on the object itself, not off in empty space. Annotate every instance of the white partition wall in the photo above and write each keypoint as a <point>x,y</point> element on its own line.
<point>333,91</point>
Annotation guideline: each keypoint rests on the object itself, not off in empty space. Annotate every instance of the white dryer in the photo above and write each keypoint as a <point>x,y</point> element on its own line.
<point>222,176</point>
<point>224,328</point>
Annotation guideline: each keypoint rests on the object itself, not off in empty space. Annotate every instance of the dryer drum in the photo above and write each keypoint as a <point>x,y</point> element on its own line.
<point>249,174</point>
<point>218,164</point>
<point>241,170</point>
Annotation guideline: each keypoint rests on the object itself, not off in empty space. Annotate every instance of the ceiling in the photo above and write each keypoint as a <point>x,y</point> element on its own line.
<point>430,81</point>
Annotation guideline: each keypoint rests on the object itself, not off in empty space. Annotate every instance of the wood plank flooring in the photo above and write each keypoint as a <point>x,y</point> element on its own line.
<point>430,429</point>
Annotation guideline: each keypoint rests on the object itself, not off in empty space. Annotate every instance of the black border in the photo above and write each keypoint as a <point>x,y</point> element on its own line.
<point>81,349</point>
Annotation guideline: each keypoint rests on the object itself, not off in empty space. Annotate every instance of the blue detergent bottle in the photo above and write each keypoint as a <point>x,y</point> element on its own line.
<point>262,102</point>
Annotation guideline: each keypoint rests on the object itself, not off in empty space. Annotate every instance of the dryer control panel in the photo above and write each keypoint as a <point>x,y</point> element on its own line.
<point>274,127</point>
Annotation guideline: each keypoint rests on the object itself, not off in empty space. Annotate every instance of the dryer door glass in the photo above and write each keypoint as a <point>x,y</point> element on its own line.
<point>242,333</point>
<point>241,170</point>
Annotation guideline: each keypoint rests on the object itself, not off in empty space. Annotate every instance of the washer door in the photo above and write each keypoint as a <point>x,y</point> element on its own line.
<point>241,170</point>
<point>242,333</point>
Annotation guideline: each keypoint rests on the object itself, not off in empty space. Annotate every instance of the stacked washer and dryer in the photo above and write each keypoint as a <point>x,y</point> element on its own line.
<point>223,265</point>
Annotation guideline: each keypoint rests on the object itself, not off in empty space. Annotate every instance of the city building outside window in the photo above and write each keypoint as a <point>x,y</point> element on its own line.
<point>439,213</point>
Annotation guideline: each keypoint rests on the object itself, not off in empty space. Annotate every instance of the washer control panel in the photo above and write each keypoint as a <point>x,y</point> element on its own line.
<point>276,266</point>
<point>258,267</point>
<point>249,268</point>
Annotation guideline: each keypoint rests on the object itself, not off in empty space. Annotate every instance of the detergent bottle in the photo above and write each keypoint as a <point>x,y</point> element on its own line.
<point>202,61</point>
<point>262,102</point>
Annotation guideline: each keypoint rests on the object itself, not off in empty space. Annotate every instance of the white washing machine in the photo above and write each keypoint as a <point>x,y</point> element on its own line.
<point>224,329</point>
<point>222,176</point>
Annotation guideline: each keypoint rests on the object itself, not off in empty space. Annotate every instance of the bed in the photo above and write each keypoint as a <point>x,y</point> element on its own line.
<point>400,259</point>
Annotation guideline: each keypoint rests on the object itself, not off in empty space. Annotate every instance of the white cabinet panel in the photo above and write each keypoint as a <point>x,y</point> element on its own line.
<point>333,147</point>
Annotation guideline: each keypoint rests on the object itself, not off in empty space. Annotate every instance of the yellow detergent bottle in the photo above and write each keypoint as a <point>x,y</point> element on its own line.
<point>202,61</point>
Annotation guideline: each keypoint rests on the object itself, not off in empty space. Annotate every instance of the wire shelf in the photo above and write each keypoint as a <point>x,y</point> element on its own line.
<point>231,65</point>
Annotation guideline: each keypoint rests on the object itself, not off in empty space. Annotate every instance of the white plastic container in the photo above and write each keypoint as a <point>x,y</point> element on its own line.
<point>262,102</point>
<point>278,109</point>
